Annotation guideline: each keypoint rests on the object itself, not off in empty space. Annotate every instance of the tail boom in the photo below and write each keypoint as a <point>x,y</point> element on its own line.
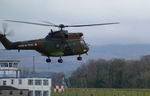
<point>6,43</point>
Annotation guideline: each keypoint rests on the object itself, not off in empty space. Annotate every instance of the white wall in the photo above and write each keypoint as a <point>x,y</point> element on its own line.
<point>25,85</point>
<point>9,67</point>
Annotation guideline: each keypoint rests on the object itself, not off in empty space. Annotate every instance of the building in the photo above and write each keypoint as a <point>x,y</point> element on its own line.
<point>9,68</point>
<point>37,86</point>
<point>11,91</point>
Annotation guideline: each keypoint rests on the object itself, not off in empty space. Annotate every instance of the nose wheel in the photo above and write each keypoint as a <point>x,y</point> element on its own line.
<point>60,60</point>
<point>48,60</point>
<point>79,58</point>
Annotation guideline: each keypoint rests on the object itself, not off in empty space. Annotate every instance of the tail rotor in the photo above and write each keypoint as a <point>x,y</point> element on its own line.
<point>5,31</point>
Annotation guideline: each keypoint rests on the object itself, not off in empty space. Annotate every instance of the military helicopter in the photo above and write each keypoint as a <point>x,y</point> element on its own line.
<point>55,44</point>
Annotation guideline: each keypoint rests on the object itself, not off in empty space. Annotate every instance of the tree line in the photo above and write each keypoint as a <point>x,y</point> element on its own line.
<point>115,73</point>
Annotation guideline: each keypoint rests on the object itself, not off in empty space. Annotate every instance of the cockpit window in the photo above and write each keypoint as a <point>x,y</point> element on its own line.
<point>82,42</point>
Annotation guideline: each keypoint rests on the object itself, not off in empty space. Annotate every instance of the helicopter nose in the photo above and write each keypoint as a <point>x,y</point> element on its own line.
<point>86,48</point>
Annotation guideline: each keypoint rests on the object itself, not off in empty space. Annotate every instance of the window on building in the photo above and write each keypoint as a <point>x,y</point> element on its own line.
<point>20,81</point>
<point>10,65</point>
<point>15,65</point>
<point>0,92</point>
<point>4,64</point>
<point>38,93</point>
<point>37,82</point>
<point>12,81</point>
<point>4,82</point>
<point>21,92</point>
<point>45,82</point>
<point>30,93</point>
<point>45,93</point>
<point>30,82</point>
<point>11,92</point>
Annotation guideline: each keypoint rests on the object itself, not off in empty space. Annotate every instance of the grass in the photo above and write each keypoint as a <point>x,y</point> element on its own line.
<point>102,92</point>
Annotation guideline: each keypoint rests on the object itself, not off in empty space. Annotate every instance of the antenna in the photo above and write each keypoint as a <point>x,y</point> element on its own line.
<point>33,70</point>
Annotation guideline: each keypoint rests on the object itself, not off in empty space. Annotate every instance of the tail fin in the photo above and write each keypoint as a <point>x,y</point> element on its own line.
<point>6,43</point>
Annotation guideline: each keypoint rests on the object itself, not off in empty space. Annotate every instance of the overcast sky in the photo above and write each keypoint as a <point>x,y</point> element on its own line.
<point>133,15</point>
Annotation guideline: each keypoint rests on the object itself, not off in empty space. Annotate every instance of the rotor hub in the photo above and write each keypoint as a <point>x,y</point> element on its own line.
<point>61,26</point>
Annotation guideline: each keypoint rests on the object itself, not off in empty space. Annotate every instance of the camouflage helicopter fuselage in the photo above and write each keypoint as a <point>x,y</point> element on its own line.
<point>55,44</point>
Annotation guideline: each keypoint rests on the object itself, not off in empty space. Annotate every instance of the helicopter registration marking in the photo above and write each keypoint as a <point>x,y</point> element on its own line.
<point>27,45</point>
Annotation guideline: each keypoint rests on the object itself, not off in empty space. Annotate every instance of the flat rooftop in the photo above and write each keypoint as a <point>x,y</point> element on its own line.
<point>9,60</point>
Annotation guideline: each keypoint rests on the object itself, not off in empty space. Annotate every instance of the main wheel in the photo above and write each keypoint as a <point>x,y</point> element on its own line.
<point>60,60</point>
<point>48,60</point>
<point>79,58</point>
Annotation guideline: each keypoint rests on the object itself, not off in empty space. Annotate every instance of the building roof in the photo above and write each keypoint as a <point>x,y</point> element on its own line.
<point>8,88</point>
<point>9,61</point>
<point>28,77</point>
<point>36,75</point>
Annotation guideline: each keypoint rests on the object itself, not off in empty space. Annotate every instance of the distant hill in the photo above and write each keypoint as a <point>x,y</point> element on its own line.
<point>121,51</point>
<point>70,63</point>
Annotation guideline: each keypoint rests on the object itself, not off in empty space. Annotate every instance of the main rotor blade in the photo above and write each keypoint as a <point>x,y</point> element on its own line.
<point>91,25</point>
<point>61,25</point>
<point>41,24</point>
<point>47,22</point>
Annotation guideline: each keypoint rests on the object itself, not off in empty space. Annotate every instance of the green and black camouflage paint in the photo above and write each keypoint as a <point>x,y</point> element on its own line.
<point>55,44</point>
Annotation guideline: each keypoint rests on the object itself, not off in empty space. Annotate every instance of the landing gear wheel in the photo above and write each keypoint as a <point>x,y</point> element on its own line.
<point>48,60</point>
<point>60,60</point>
<point>79,58</point>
